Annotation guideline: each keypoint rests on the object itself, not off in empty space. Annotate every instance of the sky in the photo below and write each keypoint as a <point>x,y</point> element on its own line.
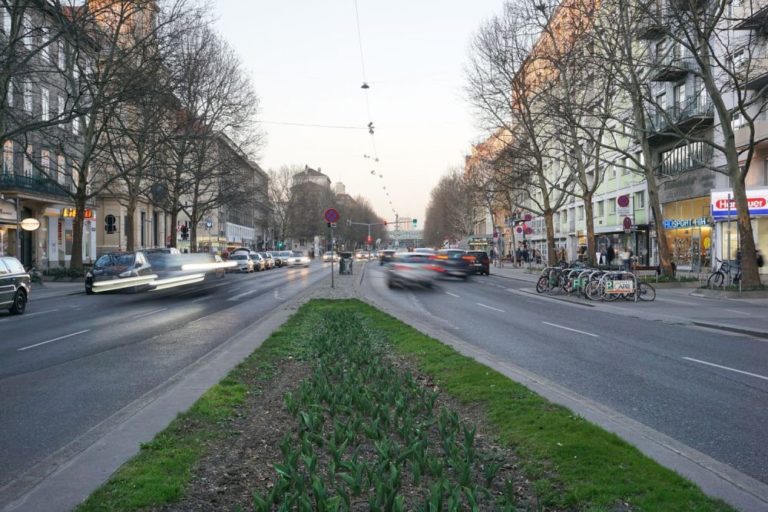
<point>305,61</point>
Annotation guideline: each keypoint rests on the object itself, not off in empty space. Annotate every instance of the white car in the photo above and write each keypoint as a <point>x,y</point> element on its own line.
<point>297,259</point>
<point>330,255</point>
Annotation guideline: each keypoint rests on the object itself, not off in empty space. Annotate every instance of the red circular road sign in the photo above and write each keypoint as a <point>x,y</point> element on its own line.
<point>627,223</point>
<point>331,215</point>
<point>519,229</point>
<point>527,217</point>
<point>528,231</point>
<point>623,201</point>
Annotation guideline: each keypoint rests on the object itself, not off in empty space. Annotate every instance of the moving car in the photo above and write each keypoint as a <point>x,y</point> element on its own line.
<point>386,256</point>
<point>268,259</point>
<point>410,269</point>
<point>482,263</point>
<point>15,285</point>
<point>120,270</point>
<point>297,259</point>
<point>244,261</point>
<point>330,256</point>
<point>455,262</point>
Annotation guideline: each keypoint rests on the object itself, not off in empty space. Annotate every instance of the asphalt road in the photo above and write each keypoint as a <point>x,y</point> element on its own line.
<point>68,367</point>
<point>705,388</point>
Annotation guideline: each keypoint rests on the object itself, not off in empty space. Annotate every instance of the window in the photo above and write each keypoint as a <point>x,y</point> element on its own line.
<point>75,178</point>
<point>737,120</point>
<point>612,170</point>
<point>7,20</point>
<point>28,163</point>
<point>11,90</point>
<point>76,125</point>
<point>28,97</point>
<point>580,211</point>
<point>640,199</point>
<point>601,208</point>
<point>60,108</point>
<point>45,47</point>
<point>738,57</point>
<point>26,30</point>
<point>625,163</point>
<point>8,156</point>
<point>61,169</point>
<point>45,105</point>
<point>679,94</point>
<point>660,48</point>
<point>61,55</point>
<point>661,101</point>
<point>45,163</point>
<point>612,206</point>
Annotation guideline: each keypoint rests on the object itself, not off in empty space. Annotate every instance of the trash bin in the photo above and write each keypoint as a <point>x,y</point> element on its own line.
<point>345,263</point>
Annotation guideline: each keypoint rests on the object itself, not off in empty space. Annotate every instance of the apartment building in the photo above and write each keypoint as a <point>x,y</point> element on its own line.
<point>39,139</point>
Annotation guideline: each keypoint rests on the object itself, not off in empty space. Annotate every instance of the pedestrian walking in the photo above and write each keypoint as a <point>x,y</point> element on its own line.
<point>610,255</point>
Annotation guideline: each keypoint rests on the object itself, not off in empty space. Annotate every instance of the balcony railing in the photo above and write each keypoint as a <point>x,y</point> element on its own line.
<point>685,158</point>
<point>742,134</point>
<point>652,24</point>
<point>35,185</point>
<point>756,20</point>
<point>694,114</point>
<point>671,68</point>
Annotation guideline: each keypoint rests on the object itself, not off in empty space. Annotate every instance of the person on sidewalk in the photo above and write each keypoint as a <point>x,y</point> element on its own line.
<point>610,255</point>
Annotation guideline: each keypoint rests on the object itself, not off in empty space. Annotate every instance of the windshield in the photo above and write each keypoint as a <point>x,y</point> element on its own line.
<point>239,256</point>
<point>115,260</point>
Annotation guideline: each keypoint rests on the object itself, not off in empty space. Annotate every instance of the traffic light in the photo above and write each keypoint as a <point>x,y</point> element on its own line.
<point>414,223</point>
<point>385,223</point>
<point>184,232</point>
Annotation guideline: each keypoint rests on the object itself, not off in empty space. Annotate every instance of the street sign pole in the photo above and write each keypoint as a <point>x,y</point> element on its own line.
<point>333,252</point>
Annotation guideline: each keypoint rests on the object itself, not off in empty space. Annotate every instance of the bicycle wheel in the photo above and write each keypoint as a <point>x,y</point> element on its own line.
<point>593,290</point>
<point>542,284</point>
<point>646,292</point>
<point>716,280</point>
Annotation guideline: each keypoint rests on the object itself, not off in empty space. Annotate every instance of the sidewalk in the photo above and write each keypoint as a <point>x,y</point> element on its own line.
<point>48,289</point>
<point>680,305</point>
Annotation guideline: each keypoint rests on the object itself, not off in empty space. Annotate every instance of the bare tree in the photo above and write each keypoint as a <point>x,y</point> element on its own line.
<point>509,77</point>
<point>451,211</point>
<point>215,97</point>
<point>280,183</point>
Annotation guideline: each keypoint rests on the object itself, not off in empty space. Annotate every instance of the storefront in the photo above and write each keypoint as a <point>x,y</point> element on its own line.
<point>727,233</point>
<point>57,233</point>
<point>688,229</point>
<point>8,226</point>
<point>635,238</point>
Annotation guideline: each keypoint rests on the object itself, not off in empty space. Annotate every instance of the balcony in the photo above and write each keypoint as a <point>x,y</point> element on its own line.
<point>671,68</point>
<point>757,20</point>
<point>652,25</point>
<point>742,135</point>
<point>693,115</point>
<point>19,182</point>
<point>688,157</point>
<point>753,73</point>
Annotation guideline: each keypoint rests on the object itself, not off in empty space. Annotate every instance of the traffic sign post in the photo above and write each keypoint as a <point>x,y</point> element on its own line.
<point>331,216</point>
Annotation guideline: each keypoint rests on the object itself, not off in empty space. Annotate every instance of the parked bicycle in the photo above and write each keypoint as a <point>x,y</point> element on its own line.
<point>725,274</point>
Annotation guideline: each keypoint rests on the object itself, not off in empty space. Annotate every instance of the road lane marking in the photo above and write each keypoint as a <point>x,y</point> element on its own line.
<point>241,295</point>
<point>739,312</point>
<point>572,330</point>
<point>452,295</point>
<point>35,313</point>
<point>489,307</point>
<point>673,301</point>
<point>726,368</point>
<point>54,339</point>
<point>150,312</point>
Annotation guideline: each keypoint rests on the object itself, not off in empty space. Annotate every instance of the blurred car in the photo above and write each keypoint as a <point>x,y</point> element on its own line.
<point>330,256</point>
<point>244,261</point>
<point>298,259</point>
<point>120,270</point>
<point>386,256</point>
<point>184,270</point>
<point>259,263</point>
<point>424,250</point>
<point>268,259</point>
<point>455,262</point>
<point>282,257</point>
<point>410,269</point>
<point>15,285</point>
<point>162,250</point>
<point>482,263</point>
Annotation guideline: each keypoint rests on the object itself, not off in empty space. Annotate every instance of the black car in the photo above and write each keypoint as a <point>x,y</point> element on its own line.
<point>15,285</point>
<point>455,262</point>
<point>482,263</point>
<point>119,270</point>
<point>386,256</point>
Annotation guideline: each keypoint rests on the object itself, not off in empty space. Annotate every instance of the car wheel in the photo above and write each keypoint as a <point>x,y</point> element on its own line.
<point>19,303</point>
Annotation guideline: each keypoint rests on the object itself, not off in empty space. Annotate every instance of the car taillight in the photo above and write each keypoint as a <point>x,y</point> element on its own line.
<point>468,258</point>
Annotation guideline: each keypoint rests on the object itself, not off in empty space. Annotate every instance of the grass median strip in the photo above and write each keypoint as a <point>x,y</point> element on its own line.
<point>365,413</point>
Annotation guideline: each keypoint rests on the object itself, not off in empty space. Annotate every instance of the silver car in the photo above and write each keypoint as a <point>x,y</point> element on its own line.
<point>411,269</point>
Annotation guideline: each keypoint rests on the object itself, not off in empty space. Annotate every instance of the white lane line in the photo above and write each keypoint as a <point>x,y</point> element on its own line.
<point>150,313</point>
<point>489,307</point>
<point>240,295</point>
<point>27,315</point>
<point>572,330</point>
<point>673,301</point>
<point>54,339</point>
<point>452,295</point>
<point>726,368</point>
<point>739,312</point>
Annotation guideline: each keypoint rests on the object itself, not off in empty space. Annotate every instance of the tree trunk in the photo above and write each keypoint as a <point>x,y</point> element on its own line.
<point>590,221</point>
<point>750,276</point>
<point>76,260</point>
<point>551,252</point>
<point>130,229</point>
<point>172,233</point>
<point>193,233</point>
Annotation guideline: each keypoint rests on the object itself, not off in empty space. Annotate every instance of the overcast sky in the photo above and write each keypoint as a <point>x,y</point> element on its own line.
<point>305,62</point>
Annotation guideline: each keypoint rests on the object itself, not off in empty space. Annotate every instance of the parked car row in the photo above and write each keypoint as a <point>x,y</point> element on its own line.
<point>422,267</point>
<point>252,261</point>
